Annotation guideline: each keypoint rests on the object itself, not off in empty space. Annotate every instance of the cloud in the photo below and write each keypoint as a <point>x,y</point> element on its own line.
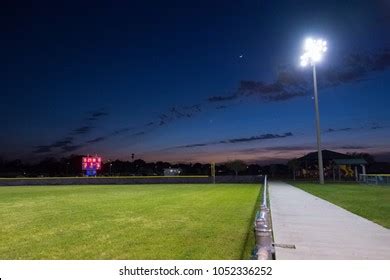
<point>193,108</point>
<point>300,148</point>
<point>175,113</point>
<point>291,83</point>
<point>260,137</point>
<point>193,145</point>
<point>331,130</point>
<point>290,148</point>
<point>71,148</point>
<point>95,115</point>
<point>237,140</point>
<point>96,140</point>
<point>364,127</point>
<point>57,144</point>
<point>82,130</point>
<point>64,142</point>
<point>377,127</point>
<point>99,114</point>
<point>352,147</point>
<point>121,131</point>
<point>223,98</point>
<point>138,133</point>
<point>356,67</point>
<point>42,149</point>
<point>288,84</point>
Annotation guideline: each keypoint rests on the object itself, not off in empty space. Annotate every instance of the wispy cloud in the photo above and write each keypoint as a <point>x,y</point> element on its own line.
<point>236,140</point>
<point>82,130</point>
<point>288,84</point>
<point>352,147</point>
<point>95,115</point>
<point>71,148</point>
<point>96,140</point>
<point>331,130</point>
<point>374,126</point>
<point>377,127</point>
<point>67,143</point>
<point>138,133</point>
<point>61,143</point>
<point>42,149</point>
<point>121,131</point>
<point>175,113</point>
<point>57,144</point>
<point>291,83</point>
<point>223,98</point>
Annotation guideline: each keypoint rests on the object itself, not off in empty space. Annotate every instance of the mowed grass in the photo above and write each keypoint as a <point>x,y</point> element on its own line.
<point>368,201</point>
<point>127,221</point>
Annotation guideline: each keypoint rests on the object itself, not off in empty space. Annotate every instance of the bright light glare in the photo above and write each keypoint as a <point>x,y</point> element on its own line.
<point>314,50</point>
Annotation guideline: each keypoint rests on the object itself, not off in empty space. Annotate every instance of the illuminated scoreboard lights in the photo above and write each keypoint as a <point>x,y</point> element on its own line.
<point>91,165</point>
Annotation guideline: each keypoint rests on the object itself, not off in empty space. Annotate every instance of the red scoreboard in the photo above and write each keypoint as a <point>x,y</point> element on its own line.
<point>92,163</point>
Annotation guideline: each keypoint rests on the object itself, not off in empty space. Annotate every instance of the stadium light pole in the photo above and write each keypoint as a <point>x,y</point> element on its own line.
<point>313,53</point>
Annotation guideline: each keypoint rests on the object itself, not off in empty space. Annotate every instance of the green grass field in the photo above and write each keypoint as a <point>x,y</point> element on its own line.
<point>128,221</point>
<point>368,201</point>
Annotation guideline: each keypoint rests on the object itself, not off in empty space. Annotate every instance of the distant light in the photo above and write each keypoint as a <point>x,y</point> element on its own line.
<point>314,50</point>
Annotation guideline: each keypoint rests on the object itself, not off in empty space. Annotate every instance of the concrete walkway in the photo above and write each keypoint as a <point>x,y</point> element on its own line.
<point>321,230</point>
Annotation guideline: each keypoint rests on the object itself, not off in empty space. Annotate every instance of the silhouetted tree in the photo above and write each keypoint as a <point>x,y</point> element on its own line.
<point>293,166</point>
<point>236,166</point>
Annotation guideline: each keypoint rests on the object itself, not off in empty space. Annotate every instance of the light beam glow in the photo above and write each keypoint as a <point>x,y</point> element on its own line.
<point>313,51</point>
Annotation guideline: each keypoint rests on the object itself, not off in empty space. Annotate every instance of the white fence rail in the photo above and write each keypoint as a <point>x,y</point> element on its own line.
<point>263,228</point>
<point>376,179</point>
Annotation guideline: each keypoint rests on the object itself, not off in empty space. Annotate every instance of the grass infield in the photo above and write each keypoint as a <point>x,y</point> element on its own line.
<point>368,201</point>
<point>128,221</point>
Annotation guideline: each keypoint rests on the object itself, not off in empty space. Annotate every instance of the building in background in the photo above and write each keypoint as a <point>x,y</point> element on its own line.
<point>337,166</point>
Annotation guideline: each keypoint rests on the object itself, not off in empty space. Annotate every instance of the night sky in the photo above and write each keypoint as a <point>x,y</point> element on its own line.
<point>188,81</point>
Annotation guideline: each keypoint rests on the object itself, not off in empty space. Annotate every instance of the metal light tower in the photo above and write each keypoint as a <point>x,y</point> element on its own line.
<point>314,50</point>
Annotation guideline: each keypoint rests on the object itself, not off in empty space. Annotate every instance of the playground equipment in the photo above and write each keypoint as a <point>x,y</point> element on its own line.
<point>347,170</point>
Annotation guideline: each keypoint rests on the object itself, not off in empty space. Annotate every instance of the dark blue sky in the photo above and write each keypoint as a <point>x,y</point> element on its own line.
<point>191,80</point>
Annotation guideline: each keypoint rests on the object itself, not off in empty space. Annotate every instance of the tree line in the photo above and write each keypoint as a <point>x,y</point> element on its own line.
<point>71,166</point>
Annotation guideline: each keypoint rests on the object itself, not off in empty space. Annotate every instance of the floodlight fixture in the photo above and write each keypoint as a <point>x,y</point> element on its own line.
<point>313,51</point>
